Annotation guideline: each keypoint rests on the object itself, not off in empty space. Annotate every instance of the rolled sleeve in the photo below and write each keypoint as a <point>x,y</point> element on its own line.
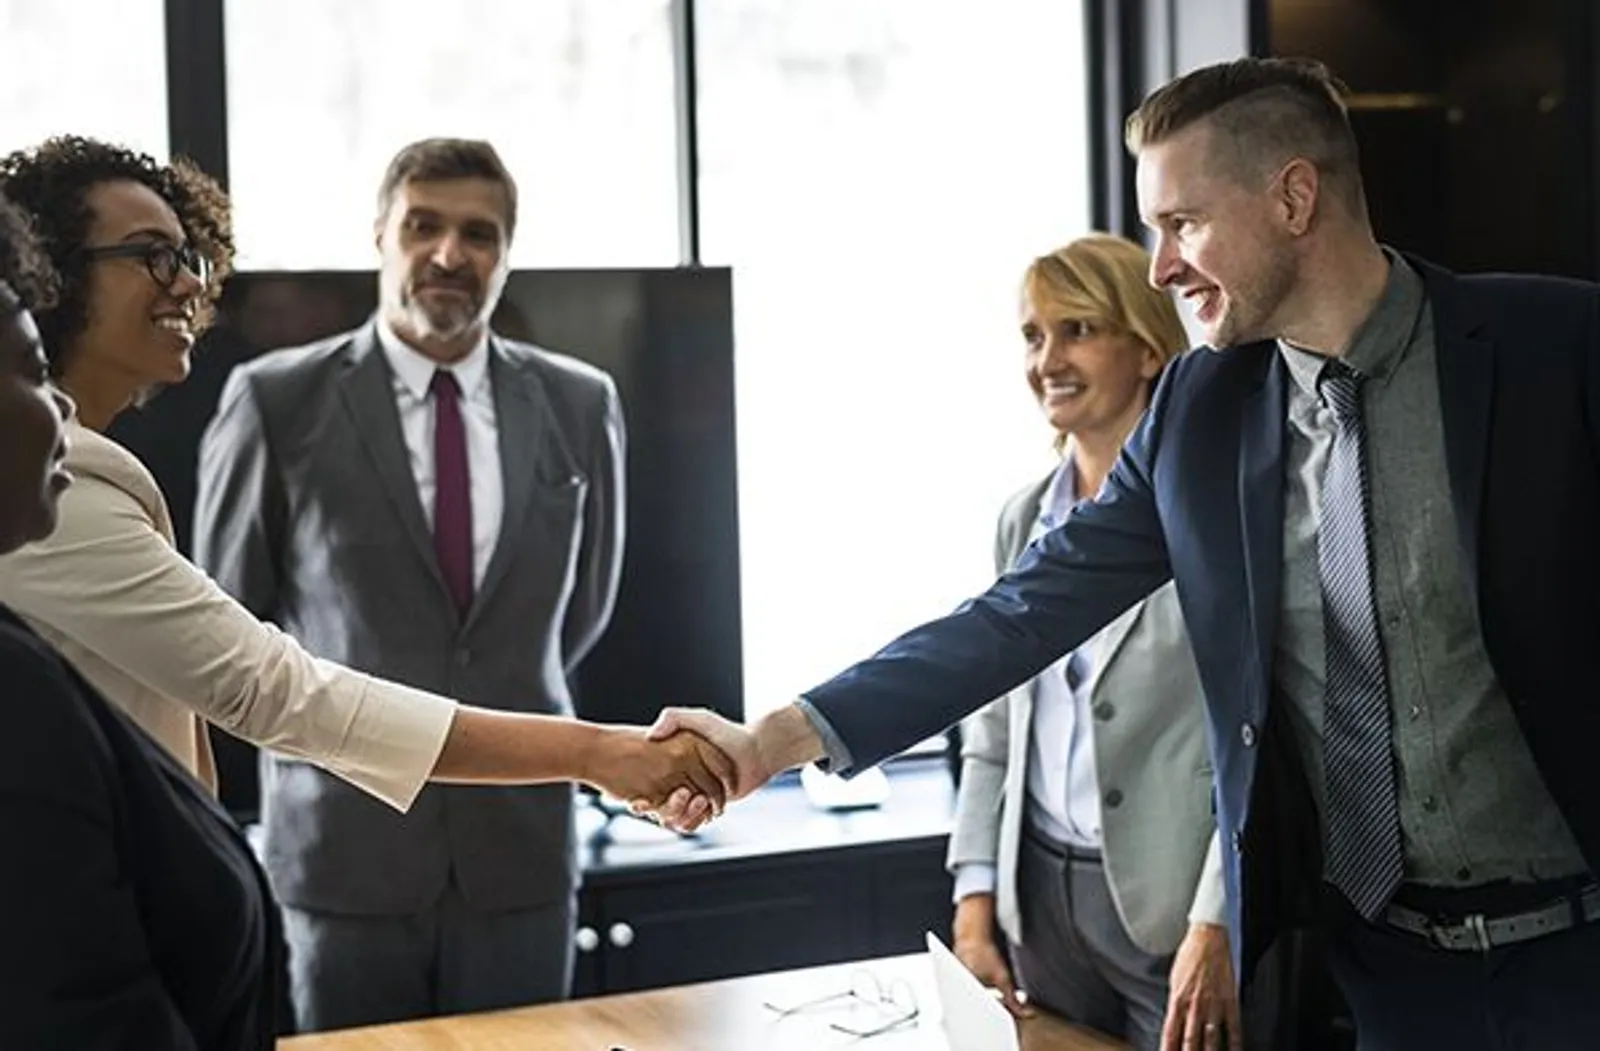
<point>393,741</point>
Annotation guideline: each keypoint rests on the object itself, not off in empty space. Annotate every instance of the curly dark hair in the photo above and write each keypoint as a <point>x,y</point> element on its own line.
<point>23,263</point>
<point>52,182</point>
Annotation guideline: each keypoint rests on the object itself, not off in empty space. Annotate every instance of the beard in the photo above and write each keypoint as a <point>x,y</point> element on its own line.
<point>1251,304</point>
<point>445,317</point>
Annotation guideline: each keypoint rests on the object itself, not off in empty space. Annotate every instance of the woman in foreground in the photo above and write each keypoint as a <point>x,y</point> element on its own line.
<point>132,913</point>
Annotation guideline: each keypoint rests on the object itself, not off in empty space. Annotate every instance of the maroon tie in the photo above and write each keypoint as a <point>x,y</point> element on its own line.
<point>452,490</point>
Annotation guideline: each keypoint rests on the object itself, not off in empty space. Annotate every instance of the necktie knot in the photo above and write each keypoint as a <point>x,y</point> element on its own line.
<point>444,386</point>
<point>1340,387</point>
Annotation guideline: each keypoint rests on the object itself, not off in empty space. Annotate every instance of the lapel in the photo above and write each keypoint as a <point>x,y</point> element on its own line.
<point>522,414</point>
<point>1262,417</point>
<point>1019,529</point>
<point>1109,641</point>
<point>1465,363</point>
<point>1026,511</point>
<point>366,388</point>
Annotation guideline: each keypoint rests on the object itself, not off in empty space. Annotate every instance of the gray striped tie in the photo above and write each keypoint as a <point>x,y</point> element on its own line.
<point>1364,857</point>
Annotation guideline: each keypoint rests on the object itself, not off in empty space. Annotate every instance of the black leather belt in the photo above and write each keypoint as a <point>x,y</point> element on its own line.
<point>1057,849</point>
<point>1481,933</point>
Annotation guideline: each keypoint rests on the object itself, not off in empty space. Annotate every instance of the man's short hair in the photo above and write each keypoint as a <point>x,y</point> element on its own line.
<point>1266,111</point>
<point>434,160</point>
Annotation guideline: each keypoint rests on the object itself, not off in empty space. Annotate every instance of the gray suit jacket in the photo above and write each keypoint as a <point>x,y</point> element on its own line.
<point>308,513</point>
<point>1159,842</point>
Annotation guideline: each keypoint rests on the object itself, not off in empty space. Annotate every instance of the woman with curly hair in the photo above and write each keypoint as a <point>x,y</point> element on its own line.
<point>142,249</point>
<point>113,849</point>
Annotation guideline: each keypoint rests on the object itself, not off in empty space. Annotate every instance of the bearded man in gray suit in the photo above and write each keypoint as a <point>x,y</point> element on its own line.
<point>427,501</point>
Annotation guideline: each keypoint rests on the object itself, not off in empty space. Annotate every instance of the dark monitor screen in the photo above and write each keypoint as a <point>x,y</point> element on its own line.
<point>666,336</point>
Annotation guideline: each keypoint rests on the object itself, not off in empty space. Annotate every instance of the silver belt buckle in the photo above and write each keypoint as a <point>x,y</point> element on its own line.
<point>1473,927</point>
<point>1478,928</point>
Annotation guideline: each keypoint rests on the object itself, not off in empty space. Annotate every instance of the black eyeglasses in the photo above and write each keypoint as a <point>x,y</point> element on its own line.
<point>161,258</point>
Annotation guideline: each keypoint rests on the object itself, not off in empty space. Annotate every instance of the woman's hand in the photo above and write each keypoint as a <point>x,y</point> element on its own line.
<point>975,947</point>
<point>625,763</point>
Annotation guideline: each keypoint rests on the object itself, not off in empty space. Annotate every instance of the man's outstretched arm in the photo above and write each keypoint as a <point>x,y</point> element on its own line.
<point>1107,555</point>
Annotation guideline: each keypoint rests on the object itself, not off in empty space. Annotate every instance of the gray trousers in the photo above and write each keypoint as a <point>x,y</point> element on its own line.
<point>362,970</point>
<point>1076,959</point>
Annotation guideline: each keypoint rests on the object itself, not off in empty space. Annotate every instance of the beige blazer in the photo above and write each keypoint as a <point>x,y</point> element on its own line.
<point>159,639</point>
<point>1159,843</point>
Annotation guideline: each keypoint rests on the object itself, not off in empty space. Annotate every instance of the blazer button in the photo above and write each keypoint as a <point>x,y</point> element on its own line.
<point>1238,841</point>
<point>1247,734</point>
<point>1113,798</point>
<point>1104,711</point>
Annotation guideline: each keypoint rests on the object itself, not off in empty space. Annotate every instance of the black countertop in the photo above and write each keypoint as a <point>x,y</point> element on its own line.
<point>777,819</point>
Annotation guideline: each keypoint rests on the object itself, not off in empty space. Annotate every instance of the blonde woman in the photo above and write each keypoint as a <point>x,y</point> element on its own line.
<point>1083,823</point>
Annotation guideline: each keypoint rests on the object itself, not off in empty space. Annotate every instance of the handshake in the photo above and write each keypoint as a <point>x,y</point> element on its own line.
<point>691,763</point>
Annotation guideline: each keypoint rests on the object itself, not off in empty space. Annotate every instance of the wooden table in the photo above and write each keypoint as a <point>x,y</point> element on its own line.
<point>713,1016</point>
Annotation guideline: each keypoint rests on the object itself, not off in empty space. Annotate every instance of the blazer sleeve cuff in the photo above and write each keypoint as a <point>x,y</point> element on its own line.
<point>975,877</point>
<point>836,757</point>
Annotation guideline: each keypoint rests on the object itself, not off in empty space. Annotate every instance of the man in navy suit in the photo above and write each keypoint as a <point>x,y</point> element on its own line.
<point>1379,497</point>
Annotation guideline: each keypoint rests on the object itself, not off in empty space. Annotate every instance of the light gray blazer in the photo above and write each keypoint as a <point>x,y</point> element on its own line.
<point>308,512</point>
<point>1162,856</point>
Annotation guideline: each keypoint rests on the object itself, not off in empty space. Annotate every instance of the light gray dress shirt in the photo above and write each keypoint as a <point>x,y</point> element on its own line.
<point>1473,807</point>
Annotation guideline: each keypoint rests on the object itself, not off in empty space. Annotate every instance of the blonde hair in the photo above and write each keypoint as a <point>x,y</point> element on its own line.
<point>1103,279</point>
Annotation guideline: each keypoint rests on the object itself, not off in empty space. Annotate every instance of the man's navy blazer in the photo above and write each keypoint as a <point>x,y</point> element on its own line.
<point>1198,495</point>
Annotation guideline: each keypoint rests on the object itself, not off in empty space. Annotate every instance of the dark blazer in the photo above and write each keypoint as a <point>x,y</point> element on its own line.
<point>308,514</point>
<point>132,913</point>
<point>1198,495</point>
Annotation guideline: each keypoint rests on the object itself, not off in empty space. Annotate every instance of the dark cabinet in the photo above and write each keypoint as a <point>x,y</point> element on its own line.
<point>908,897</point>
<point>775,884</point>
<point>1476,120</point>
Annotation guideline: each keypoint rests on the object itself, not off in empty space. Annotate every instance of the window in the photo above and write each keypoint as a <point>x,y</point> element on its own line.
<point>577,97</point>
<point>89,67</point>
<point>879,173</point>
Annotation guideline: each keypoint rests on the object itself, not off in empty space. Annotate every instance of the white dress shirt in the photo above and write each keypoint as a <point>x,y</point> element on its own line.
<point>413,375</point>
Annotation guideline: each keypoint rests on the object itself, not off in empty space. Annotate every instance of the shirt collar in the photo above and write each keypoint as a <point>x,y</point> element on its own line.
<point>416,369</point>
<point>1060,495</point>
<point>1381,342</point>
